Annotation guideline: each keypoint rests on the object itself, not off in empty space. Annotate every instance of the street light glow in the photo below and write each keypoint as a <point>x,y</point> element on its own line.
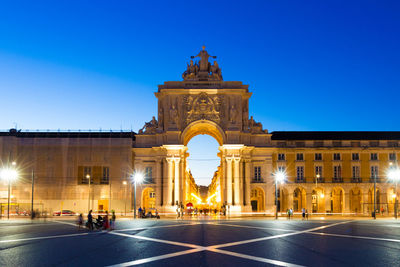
<point>280,176</point>
<point>138,177</point>
<point>8,175</point>
<point>394,174</point>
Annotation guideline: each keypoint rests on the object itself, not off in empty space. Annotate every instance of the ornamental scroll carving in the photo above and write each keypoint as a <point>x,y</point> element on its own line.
<point>203,107</point>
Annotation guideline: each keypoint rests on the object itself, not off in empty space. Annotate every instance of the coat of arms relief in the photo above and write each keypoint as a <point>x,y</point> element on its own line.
<point>202,107</point>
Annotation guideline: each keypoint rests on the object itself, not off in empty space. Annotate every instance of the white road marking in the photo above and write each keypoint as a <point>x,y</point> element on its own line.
<point>277,236</point>
<point>156,258</point>
<point>41,237</point>
<point>356,237</point>
<point>255,227</point>
<point>254,258</point>
<point>158,240</point>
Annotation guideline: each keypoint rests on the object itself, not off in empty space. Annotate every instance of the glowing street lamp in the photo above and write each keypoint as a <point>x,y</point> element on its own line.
<point>394,175</point>
<point>9,175</point>
<point>280,177</point>
<point>89,182</point>
<point>137,178</point>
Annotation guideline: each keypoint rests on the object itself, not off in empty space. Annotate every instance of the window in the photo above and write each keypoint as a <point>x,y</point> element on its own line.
<point>281,169</point>
<point>336,156</point>
<point>355,156</point>
<point>257,173</point>
<point>318,171</point>
<point>300,172</point>
<point>337,172</point>
<point>337,143</point>
<point>148,174</point>
<point>299,157</point>
<point>374,143</point>
<point>356,172</point>
<point>152,194</point>
<point>105,178</point>
<point>281,156</point>
<point>374,156</point>
<point>392,156</point>
<point>374,171</point>
<point>318,156</point>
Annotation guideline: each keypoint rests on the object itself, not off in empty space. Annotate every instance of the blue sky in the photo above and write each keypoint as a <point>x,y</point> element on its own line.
<point>311,65</point>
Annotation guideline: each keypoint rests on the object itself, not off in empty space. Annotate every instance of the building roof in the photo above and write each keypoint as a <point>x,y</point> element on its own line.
<point>335,135</point>
<point>19,133</point>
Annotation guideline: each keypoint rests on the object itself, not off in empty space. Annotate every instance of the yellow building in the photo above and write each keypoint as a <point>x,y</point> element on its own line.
<point>325,172</point>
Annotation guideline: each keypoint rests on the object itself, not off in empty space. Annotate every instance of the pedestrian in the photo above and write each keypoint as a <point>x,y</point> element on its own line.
<point>177,211</point>
<point>80,221</point>
<point>291,212</point>
<point>288,214</point>
<point>182,209</point>
<point>303,213</point>
<point>140,212</point>
<point>144,212</point>
<point>106,224</point>
<point>307,214</point>
<point>90,220</point>
<point>112,221</point>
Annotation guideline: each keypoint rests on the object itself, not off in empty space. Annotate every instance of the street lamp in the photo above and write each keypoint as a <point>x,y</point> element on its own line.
<point>9,175</point>
<point>125,183</point>
<point>137,178</point>
<point>89,182</point>
<point>279,178</point>
<point>394,175</point>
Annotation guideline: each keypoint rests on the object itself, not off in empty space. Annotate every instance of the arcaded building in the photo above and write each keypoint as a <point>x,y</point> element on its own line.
<point>325,172</point>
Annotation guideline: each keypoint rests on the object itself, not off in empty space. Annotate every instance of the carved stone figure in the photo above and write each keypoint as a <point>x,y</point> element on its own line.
<point>149,127</point>
<point>255,127</point>
<point>216,71</point>
<point>173,115</point>
<point>232,114</point>
<point>245,117</point>
<point>203,55</point>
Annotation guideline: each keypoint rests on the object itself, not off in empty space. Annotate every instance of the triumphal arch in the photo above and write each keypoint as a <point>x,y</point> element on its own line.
<point>202,103</point>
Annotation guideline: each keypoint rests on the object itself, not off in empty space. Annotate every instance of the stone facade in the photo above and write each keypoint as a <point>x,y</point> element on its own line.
<point>330,172</point>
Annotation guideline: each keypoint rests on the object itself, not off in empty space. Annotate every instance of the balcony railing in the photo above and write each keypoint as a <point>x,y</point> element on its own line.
<point>337,180</point>
<point>300,180</point>
<point>355,180</point>
<point>257,180</point>
<point>319,180</point>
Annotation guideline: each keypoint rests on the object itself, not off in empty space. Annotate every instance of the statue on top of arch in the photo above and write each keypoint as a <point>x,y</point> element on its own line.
<point>202,69</point>
<point>149,127</point>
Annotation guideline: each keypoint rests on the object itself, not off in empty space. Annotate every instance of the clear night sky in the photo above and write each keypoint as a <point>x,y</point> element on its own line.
<point>311,65</point>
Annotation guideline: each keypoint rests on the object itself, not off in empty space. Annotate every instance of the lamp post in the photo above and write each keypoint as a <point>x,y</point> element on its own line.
<point>89,182</point>
<point>394,175</point>
<point>125,183</point>
<point>279,178</point>
<point>137,178</point>
<point>9,175</point>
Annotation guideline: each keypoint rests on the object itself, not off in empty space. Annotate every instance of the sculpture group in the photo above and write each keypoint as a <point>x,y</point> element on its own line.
<point>202,70</point>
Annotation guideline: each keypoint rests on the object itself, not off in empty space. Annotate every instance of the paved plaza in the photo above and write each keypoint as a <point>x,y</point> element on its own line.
<point>236,242</point>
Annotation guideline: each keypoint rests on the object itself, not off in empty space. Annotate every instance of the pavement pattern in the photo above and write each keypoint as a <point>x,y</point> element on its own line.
<point>239,242</point>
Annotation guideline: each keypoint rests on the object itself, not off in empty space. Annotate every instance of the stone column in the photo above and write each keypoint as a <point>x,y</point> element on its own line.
<point>247,184</point>
<point>327,199</point>
<point>158,181</point>
<point>169,189</point>
<point>290,198</point>
<point>236,180</point>
<point>309,202</point>
<point>346,202</point>
<point>177,182</point>
<point>183,181</point>
<point>229,181</point>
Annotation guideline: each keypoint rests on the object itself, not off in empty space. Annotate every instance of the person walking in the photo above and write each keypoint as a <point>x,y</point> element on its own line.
<point>90,220</point>
<point>288,214</point>
<point>106,222</point>
<point>140,212</point>
<point>303,213</point>
<point>112,221</point>
<point>80,221</point>
<point>307,214</point>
